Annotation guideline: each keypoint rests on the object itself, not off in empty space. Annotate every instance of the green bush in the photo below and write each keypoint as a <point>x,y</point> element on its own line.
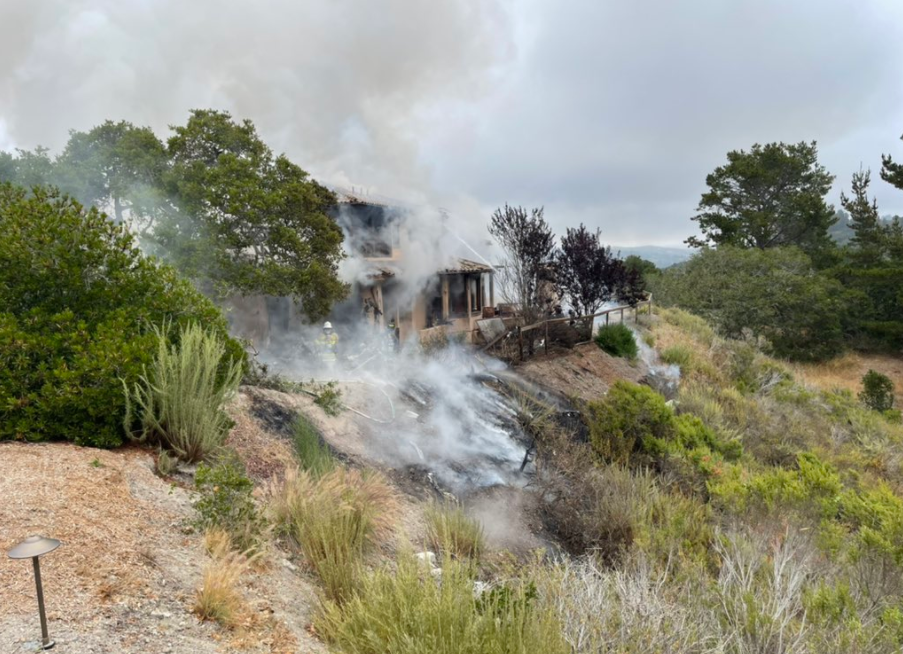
<point>224,500</point>
<point>328,396</point>
<point>451,531</point>
<point>877,391</point>
<point>617,340</point>
<point>735,290</point>
<point>179,403</point>
<point>405,611</point>
<point>77,301</point>
<point>312,452</point>
<point>812,486</point>
<point>634,425</point>
<point>630,415</point>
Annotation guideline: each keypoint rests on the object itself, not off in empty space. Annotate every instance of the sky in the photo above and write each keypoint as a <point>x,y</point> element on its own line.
<point>606,112</point>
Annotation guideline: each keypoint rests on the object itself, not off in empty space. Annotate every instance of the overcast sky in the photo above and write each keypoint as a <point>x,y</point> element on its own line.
<point>609,112</point>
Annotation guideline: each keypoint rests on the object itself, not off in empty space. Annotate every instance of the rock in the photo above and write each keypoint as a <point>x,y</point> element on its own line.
<point>288,564</point>
<point>428,557</point>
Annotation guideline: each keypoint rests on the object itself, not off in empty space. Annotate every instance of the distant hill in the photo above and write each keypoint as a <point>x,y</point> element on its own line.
<point>660,256</point>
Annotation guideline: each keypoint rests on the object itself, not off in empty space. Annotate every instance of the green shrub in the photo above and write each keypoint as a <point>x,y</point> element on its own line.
<point>734,288</point>
<point>877,391</point>
<point>451,531</point>
<point>617,340</point>
<point>679,355</point>
<point>813,485</point>
<point>77,299</point>
<point>179,402</point>
<point>327,396</point>
<point>405,611</point>
<point>166,464</point>
<point>312,452</point>
<point>625,419</point>
<point>224,500</point>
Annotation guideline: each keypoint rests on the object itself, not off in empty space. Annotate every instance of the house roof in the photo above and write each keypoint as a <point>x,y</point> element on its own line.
<point>466,266</point>
<point>351,196</point>
<point>380,272</point>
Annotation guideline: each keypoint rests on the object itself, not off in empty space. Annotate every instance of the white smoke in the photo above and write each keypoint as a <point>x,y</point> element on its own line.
<point>435,413</point>
<point>342,87</point>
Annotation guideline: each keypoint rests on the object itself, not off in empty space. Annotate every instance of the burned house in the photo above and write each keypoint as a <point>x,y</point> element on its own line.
<point>450,299</point>
<point>383,291</point>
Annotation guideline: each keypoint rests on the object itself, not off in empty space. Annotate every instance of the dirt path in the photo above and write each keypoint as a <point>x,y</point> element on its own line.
<point>125,576</point>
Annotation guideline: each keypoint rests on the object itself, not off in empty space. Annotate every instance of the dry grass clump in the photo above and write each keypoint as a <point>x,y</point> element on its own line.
<point>610,511</point>
<point>219,599</point>
<point>764,600</point>
<point>335,519</point>
<point>405,610</point>
<point>633,608</point>
<point>450,530</point>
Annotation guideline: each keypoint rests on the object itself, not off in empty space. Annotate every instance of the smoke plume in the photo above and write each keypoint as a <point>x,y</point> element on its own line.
<point>341,86</point>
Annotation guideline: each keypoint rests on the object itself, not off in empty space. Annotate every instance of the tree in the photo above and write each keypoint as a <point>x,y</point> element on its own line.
<point>644,267</point>
<point>891,171</point>
<point>771,196</point>
<point>587,274</point>
<point>630,283</point>
<point>527,245</point>
<point>877,391</point>
<point>116,167</point>
<point>775,294</point>
<point>78,303</point>
<point>214,202</point>
<point>869,233</point>
<point>873,270</point>
<point>247,221</point>
<point>28,168</point>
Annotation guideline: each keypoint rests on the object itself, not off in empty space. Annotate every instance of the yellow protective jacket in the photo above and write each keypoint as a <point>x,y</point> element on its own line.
<point>328,346</point>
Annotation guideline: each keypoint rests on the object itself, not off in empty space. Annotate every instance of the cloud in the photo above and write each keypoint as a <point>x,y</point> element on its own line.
<point>609,112</point>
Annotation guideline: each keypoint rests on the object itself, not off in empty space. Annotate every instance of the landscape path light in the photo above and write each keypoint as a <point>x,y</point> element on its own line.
<point>32,548</point>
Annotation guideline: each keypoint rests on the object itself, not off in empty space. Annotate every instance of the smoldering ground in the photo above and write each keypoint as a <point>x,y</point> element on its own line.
<point>433,410</point>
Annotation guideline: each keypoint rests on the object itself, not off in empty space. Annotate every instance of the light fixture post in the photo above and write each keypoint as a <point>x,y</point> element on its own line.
<point>33,548</point>
<point>46,643</point>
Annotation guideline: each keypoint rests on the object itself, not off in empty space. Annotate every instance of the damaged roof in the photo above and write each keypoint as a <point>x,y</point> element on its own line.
<point>380,272</point>
<point>466,266</point>
<point>346,196</point>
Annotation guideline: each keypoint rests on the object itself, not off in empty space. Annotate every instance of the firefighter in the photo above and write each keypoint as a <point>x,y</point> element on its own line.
<point>328,344</point>
<point>392,336</point>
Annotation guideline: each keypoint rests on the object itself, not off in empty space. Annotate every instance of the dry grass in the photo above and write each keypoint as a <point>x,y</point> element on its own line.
<point>218,599</point>
<point>452,531</point>
<point>217,542</point>
<point>845,372</point>
<point>404,610</point>
<point>336,519</point>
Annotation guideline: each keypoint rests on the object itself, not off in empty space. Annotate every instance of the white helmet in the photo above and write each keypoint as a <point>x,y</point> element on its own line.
<point>327,325</point>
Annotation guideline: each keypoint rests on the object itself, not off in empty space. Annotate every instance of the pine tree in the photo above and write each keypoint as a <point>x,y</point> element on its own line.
<point>869,234</point>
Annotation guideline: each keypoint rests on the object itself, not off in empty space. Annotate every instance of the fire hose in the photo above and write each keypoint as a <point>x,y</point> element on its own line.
<point>361,413</point>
